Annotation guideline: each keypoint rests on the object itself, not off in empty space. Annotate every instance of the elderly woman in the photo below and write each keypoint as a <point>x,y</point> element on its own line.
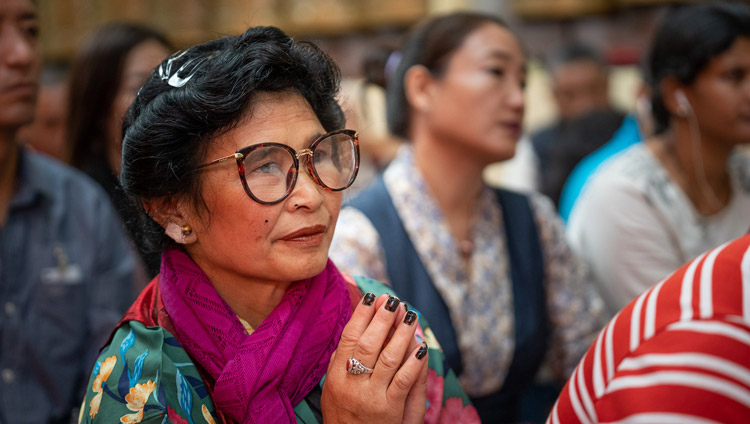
<point>233,151</point>
<point>491,266</point>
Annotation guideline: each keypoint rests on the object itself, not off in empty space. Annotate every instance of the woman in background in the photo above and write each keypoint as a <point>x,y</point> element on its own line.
<point>685,190</point>
<point>105,75</point>
<point>491,267</point>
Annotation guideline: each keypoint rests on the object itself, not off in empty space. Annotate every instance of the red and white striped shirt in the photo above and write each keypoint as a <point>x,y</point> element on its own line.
<point>679,353</point>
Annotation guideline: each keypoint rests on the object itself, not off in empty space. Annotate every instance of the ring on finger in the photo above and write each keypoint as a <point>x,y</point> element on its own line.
<point>353,366</point>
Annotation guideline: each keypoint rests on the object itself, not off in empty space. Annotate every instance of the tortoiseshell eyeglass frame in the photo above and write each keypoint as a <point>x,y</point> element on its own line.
<point>240,155</point>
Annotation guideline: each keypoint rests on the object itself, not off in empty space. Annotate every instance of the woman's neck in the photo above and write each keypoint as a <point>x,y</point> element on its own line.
<point>698,166</point>
<point>251,300</point>
<point>455,180</point>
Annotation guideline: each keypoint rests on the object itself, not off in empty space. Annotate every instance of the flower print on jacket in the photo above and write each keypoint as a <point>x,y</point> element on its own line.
<point>454,412</point>
<point>435,385</point>
<point>207,415</point>
<point>136,400</point>
<point>174,417</point>
<point>102,374</point>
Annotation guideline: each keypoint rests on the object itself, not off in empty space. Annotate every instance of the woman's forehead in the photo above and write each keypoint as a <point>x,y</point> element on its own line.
<point>284,117</point>
<point>492,41</point>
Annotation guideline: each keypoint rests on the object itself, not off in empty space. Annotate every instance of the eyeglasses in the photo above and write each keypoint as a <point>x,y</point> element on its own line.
<point>268,171</point>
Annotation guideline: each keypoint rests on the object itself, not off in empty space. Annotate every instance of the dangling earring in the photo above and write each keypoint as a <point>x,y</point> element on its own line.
<point>181,234</point>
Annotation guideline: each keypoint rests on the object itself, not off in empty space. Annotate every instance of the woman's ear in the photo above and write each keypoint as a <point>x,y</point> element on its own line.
<point>418,87</point>
<point>674,98</point>
<point>168,212</point>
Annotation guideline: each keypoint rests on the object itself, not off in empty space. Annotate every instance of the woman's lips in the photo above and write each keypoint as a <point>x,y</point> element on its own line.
<point>512,127</point>
<point>20,90</point>
<point>312,235</point>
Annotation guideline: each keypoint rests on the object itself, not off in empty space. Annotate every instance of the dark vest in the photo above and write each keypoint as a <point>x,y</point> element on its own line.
<point>411,281</point>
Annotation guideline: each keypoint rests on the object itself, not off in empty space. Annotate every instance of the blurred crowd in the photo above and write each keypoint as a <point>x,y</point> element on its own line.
<point>604,277</point>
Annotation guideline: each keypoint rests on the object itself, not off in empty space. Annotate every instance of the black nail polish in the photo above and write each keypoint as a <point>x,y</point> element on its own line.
<point>421,352</point>
<point>392,304</point>
<point>410,317</point>
<point>406,308</point>
<point>368,299</point>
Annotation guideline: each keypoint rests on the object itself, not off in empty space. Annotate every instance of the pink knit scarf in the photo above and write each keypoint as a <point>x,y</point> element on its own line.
<point>258,377</point>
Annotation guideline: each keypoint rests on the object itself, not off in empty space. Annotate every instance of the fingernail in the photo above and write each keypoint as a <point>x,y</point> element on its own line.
<point>406,308</point>
<point>421,352</point>
<point>369,298</point>
<point>410,317</point>
<point>392,304</point>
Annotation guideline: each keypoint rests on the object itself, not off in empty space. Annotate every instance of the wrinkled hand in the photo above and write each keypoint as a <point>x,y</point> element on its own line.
<point>395,392</point>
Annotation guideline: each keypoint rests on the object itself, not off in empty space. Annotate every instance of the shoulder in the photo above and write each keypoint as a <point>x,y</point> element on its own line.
<point>144,374</point>
<point>354,235</point>
<point>352,218</point>
<point>55,175</point>
<point>634,164</point>
<point>69,192</point>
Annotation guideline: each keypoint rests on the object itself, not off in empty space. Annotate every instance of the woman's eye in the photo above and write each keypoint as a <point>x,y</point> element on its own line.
<point>267,168</point>
<point>499,72</point>
<point>321,156</point>
<point>735,75</point>
<point>32,31</point>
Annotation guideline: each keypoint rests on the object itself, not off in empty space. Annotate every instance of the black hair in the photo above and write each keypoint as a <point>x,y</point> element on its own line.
<point>574,52</point>
<point>94,81</point>
<point>430,44</point>
<point>687,39</point>
<point>168,130</point>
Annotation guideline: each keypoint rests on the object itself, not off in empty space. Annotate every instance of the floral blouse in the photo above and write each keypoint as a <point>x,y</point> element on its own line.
<point>480,296</point>
<point>144,376</point>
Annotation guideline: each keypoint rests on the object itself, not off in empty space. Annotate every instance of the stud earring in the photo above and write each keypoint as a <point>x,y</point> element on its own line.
<point>187,234</point>
<point>181,234</point>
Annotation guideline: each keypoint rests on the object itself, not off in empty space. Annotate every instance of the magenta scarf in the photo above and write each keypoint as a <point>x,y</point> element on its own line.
<point>258,377</point>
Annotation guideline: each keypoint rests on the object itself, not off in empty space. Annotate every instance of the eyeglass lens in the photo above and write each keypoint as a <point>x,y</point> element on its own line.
<point>269,170</point>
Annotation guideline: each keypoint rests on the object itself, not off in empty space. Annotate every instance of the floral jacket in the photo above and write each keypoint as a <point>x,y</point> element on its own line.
<point>143,375</point>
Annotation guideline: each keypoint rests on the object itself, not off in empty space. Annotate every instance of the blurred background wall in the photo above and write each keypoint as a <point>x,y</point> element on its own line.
<point>346,29</point>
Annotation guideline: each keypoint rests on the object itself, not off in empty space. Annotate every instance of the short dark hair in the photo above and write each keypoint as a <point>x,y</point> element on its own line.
<point>168,130</point>
<point>431,44</point>
<point>687,39</point>
<point>574,52</point>
<point>94,80</point>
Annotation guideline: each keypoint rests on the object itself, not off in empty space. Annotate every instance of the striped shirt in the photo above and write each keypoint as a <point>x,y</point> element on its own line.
<point>679,353</point>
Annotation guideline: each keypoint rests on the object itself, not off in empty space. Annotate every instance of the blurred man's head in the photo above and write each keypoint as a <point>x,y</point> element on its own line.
<point>20,61</point>
<point>46,134</point>
<point>579,81</point>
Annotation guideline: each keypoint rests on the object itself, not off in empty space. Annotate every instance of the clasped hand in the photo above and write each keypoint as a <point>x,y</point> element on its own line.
<point>381,336</point>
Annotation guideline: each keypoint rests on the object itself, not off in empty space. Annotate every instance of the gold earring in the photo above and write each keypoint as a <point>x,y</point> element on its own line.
<point>181,234</point>
<point>188,236</point>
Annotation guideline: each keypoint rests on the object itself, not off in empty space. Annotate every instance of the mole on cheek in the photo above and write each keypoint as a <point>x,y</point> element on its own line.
<point>266,221</point>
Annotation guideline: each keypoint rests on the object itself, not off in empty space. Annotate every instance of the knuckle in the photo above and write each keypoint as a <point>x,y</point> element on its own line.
<point>403,381</point>
<point>384,318</point>
<point>388,360</point>
<point>347,339</point>
<point>366,349</point>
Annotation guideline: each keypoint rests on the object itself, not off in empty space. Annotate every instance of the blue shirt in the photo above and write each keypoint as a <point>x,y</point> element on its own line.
<point>627,135</point>
<point>67,274</point>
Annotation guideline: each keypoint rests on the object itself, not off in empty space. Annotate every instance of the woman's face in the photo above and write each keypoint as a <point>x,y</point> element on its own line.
<point>720,95</point>
<point>139,63</point>
<point>479,98</point>
<point>242,239</point>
